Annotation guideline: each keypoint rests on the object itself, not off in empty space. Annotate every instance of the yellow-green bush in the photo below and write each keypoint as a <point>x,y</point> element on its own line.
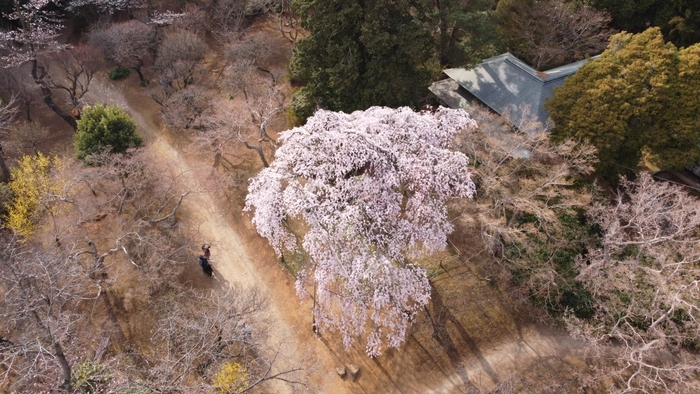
<point>232,378</point>
<point>30,181</point>
<point>87,377</point>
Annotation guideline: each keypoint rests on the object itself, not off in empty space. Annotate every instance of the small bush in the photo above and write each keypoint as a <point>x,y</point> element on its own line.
<point>105,127</point>
<point>301,107</point>
<point>119,73</point>
<point>30,181</point>
<point>232,378</point>
<point>88,376</point>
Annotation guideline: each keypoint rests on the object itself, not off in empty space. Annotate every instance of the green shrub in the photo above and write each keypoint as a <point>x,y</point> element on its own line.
<point>541,254</point>
<point>119,73</point>
<point>301,107</point>
<point>88,376</point>
<point>105,128</point>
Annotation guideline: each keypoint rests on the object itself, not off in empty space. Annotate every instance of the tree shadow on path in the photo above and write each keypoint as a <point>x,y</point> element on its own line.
<point>442,320</point>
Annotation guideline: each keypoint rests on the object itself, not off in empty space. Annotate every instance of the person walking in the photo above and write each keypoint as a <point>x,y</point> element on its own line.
<point>206,265</point>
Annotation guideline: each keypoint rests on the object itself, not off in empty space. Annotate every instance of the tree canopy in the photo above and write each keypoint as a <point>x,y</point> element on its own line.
<point>359,54</point>
<point>372,188</point>
<point>643,278</point>
<point>466,31</point>
<point>550,33</point>
<point>639,97</point>
<point>678,19</point>
<point>105,126</point>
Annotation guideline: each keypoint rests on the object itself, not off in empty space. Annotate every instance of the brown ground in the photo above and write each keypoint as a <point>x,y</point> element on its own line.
<point>471,342</point>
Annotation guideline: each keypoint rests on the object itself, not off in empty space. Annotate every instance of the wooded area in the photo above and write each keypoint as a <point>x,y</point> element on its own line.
<point>375,199</point>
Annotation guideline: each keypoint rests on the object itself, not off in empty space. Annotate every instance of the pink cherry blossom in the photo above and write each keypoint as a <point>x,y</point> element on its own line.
<point>372,188</point>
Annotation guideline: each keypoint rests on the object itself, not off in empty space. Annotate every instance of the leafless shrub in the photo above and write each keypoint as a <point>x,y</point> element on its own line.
<point>194,20</point>
<point>644,278</point>
<point>227,18</point>
<point>252,49</point>
<point>179,55</point>
<point>554,32</point>
<point>525,190</point>
<point>127,43</point>
<point>259,87</point>
<point>43,288</point>
<point>8,111</point>
<point>188,108</point>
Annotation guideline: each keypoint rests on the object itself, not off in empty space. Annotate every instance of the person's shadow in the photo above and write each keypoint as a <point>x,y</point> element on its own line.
<point>216,275</point>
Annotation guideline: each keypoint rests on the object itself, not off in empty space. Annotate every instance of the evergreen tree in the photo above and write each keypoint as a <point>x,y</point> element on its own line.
<point>105,126</point>
<point>679,20</point>
<point>639,97</point>
<point>466,31</point>
<point>359,54</point>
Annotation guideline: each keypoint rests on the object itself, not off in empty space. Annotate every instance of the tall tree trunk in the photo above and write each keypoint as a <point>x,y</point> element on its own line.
<point>258,149</point>
<point>65,367</point>
<point>38,73</point>
<point>444,37</point>
<point>137,68</point>
<point>3,166</point>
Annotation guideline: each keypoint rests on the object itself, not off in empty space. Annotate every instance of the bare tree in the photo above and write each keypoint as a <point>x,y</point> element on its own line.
<point>127,43</point>
<point>553,32</point>
<point>264,98</point>
<point>179,54</point>
<point>25,137</point>
<point>227,18</point>
<point>199,332</point>
<point>78,65</point>
<point>23,94</point>
<point>43,289</point>
<point>35,37</point>
<point>35,42</point>
<point>139,201</point>
<point>187,108</point>
<point>289,22</point>
<point>7,113</point>
<point>121,214</point>
<point>183,105</point>
<point>107,6</point>
<point>194,20</point>
<point>645,280</point>
<point>528,205</point>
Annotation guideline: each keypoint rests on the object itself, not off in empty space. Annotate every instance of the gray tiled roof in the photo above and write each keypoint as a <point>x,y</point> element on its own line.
<point>507,85</point>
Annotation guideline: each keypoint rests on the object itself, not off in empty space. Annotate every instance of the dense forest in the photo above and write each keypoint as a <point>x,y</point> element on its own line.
<point>293,146</point>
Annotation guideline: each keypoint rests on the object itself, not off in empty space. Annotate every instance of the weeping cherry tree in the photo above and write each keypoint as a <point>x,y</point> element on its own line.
<point>371,188</point>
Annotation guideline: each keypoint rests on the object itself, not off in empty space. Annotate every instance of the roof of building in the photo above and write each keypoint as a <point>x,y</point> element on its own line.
<point>509,86</point>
